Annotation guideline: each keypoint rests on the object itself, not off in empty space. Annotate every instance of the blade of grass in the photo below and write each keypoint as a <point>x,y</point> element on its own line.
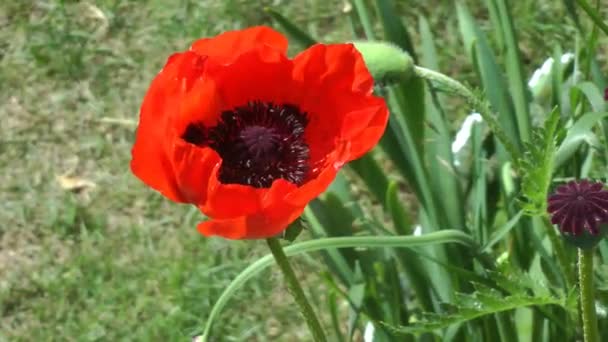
<point>370,172</point>
<point>593,15</point>
<point>394,30</point>
<point>501,232</point>
<point>489,72</point>
<point>446,188</point>
<point>517,84</point>
<point>295,32</point>
<point>401,219</point>
<point>581,131</point>
<point>365,18</point>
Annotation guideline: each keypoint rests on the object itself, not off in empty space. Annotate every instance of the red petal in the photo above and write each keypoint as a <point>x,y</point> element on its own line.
<point>314,187</point>
<point>258,75</point>
<point>364,138</point>
<point>336,94</point>
<point>256,226</point>
<point>339,64</point>
<point>226,201</point>
<point>193,167</point>
<point>226,47</point>
<point>151,151</point>
<point>274,217</point>
<point>202,104</point>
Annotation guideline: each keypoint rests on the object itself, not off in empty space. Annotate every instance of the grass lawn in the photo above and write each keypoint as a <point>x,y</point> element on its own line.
<point>87,252</point>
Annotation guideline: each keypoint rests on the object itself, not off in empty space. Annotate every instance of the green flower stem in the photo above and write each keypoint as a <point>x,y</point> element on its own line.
<point>439,237</point>
<point>585,272</point>
<point>450,85</point>
<point>296,290</point>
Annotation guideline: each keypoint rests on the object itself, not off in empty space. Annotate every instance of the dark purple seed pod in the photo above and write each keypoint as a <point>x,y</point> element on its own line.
<point>580,210</point>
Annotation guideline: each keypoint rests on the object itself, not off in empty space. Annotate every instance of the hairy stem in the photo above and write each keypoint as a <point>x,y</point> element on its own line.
<point>296,290</point>
<point>585,272</point>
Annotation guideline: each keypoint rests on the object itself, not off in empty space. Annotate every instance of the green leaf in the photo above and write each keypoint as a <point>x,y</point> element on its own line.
<point>332,303</point>
<point>296,33</point>
<point>594,95</point>
<point>401,219</point>
<point>394,30</point>
<point>467,307</point>
<point>594,15</point>
<point>502,232</point>
<point>580,132</point>
<point>537,165</point>
<point>293,230</point>
<point>317,217</point>
<point>409,95</point>
<point>479,190</point>
<point>438,141</point>
<point>491,76</point>
<point>398,143</point>
<point>364,16</point>
<point>503,22</point>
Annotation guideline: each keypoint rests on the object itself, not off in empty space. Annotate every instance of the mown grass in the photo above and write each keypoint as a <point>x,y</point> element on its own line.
<point>117,261</point>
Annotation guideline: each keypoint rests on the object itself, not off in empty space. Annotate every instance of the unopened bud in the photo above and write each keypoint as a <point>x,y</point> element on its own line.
<point>385,61</point>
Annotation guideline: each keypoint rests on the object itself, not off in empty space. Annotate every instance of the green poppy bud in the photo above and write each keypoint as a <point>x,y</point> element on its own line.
<point>386,62</point>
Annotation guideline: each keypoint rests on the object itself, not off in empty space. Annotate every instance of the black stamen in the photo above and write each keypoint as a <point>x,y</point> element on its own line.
<point>259,143</point>
<point>195,134</point>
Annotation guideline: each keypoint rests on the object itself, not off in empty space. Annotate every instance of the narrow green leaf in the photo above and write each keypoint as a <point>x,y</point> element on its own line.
<point>365,18</point>
<point>370,172</point>
<point>479,187</point>
<point>401,219</point>
<point>557,79</point>
<point>399,144</point>
<point>332,303</point>
<point>581,131</point>
<point>394,30</point>
<point>293,230</point>
<point>570,6</point>
<point>296,33</point>
<point>408,95</point>
<point>438,140</point>
<point>492,79</point>
<point>517,84</point>
<point>501,232</point>
<point>317,218</point>
<point>594,95</point>
<point>593,14</point>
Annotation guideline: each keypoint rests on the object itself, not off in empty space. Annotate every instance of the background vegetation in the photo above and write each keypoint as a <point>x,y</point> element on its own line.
<point>87,253</point>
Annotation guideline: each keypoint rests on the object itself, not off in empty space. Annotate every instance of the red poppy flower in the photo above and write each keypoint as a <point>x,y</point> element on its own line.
<point>249,136</point>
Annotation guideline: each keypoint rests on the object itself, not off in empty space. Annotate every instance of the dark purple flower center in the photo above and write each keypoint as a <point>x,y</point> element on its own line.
<point>579,205</point>
<point>259,143</point>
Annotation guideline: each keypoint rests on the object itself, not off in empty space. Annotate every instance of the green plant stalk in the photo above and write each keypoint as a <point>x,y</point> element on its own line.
<point>293,285</point>
<point>438,237</point>
<point>585,272</point>
<point>450,85</point>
